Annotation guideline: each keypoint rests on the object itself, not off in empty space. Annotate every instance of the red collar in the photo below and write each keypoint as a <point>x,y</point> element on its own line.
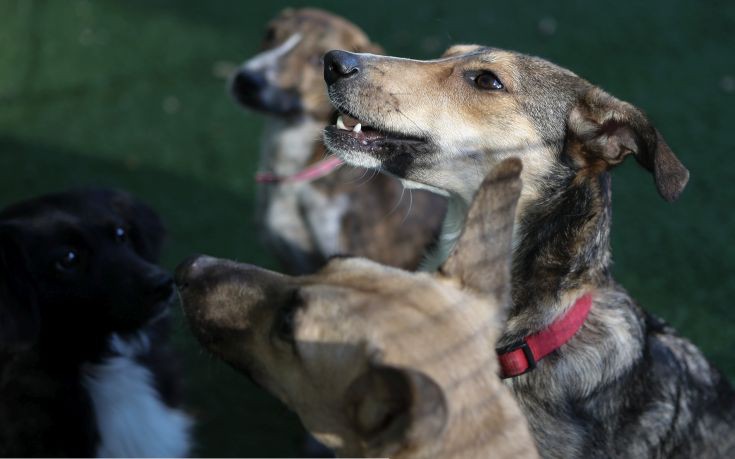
<point>313,172</point>
<point>521,358</point>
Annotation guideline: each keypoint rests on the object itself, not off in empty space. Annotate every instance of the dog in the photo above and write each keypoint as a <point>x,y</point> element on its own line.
<point>616,381</point>
<point>85,366</point>
<point>309,206</point>
<point>378,361</point>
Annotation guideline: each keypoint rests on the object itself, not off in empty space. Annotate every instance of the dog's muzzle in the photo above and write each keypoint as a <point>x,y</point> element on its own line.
<point>252,90</point>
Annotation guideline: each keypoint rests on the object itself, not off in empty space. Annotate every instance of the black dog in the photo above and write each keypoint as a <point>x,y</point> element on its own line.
<point>84,366</point>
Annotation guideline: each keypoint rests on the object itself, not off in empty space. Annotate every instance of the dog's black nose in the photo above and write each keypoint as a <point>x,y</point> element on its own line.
<point>191,268</point>
<point>340,65</point>
<point>163,286</point>
<point>247,84</point>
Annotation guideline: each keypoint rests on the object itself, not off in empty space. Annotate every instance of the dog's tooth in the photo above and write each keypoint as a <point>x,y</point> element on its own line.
<point>357,128</point>
<point>341,124</point>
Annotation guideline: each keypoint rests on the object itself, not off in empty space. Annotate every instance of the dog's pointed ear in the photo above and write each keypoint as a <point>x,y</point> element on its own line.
<point>607,130</point>
<point>391,408</point>
<point>146,228</point>
<point>19,314</point>
<point>481,259</point>
<point>458,50</point>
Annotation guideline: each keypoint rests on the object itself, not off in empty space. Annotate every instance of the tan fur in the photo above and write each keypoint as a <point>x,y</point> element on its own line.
<point>349,211</point>
<point>380,362</point>
<point>625,385</point>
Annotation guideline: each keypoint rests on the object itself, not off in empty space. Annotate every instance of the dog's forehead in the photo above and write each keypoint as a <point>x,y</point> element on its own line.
<point>360,274</point>
<point>522,63</point>
<point>316,25</point>
<point>62,210</point>
<point>361,284</point>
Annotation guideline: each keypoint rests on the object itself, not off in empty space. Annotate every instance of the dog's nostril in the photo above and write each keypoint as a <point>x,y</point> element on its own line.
<point>340,65</point>
<point>247,82</point>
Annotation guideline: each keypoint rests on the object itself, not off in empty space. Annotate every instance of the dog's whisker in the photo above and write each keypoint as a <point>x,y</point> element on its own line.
<point>410,206</point>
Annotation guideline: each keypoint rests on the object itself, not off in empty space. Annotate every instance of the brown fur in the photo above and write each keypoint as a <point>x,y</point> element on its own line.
<point>378,361</point>
<point>626,385</point>
<point>351,211</point>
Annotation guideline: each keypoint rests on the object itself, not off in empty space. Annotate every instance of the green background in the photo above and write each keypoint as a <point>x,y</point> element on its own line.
<point>130,94</point>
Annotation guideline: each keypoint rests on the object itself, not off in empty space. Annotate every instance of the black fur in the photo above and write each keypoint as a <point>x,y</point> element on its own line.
<point>57,314</point>
<point>667,400</point>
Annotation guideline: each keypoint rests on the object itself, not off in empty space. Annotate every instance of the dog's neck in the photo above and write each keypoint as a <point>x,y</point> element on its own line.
<point>457,207</point>
<point>561,249</point>
<point>561,244</point>
<point>290,145</point>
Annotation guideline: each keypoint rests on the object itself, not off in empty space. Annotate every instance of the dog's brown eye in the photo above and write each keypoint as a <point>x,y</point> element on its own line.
<point>68,260</point>
<point>488,80</point>
<point>120,234</point>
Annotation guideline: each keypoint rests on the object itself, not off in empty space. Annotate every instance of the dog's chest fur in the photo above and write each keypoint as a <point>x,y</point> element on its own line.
<point>301,222</point>
<point>132,420</point>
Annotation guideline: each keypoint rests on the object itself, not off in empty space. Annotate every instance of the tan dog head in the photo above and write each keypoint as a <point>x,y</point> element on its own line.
<point>444,123</point>
<point>285,79</point>
<point>377,361</point>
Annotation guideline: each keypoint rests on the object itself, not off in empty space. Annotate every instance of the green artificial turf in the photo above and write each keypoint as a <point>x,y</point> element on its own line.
<point>130,94</point>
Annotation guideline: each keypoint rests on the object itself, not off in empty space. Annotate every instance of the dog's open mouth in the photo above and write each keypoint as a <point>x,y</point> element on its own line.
<point>354,133</point>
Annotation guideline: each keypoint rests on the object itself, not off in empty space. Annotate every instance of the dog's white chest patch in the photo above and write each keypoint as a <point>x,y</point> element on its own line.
<point>131,418</point>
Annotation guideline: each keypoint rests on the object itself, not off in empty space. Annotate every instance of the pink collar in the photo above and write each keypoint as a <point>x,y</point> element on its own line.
<point>313,172</point>
<point>521,358</point>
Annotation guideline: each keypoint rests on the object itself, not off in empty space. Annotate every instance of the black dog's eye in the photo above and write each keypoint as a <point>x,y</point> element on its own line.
<point>68,260</point>
<point>120,234</point>
<point>488,80</point>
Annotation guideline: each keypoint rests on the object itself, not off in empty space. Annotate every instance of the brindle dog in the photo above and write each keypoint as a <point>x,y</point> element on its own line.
<point>350,210</point>
<point>378,361</point>
<point>625,385</point>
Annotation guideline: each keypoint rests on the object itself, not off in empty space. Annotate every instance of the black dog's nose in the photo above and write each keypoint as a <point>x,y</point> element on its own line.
<point>163,286</point>
<point>247,83</point>
<point>339,65</point>
<point>191,268</point>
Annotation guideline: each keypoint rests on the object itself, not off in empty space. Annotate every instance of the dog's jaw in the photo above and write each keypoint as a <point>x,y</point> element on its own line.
<point>353,157</point>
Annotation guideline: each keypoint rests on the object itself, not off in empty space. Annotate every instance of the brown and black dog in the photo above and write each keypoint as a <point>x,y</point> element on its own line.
<point>309,208</point>
<point>625,385</point>
<point>377,361</point>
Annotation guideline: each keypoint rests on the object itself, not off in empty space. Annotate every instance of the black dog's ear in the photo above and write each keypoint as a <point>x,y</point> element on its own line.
<point>606,130</point>
<point>481,259</point>
<point>391,408</point>
<point>19,311</point>
<point>146,228</point>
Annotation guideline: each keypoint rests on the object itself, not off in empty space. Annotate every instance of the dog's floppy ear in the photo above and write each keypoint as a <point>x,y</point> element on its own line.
<point>391,408</point>
<point>19,314</point>
<point>457,50</point>
<point>608,130</point>
<point>146,228</point>
<point>481,258</point>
